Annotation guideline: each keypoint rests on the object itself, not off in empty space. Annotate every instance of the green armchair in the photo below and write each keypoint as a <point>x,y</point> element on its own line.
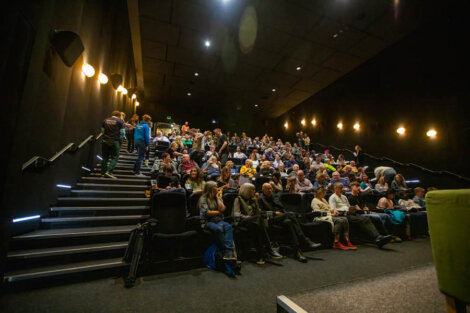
<point>449,227</point>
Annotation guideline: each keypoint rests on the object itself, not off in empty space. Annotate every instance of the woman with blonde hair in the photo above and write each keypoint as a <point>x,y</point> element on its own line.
<point>179,142</point>
<point>291,186</point>
<point>212,209</point>
<point>247,208</point>
<point>247,172</point>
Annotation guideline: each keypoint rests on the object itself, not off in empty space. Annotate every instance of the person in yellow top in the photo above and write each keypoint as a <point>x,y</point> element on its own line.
<point>352,165</point>
<point>247,172</point>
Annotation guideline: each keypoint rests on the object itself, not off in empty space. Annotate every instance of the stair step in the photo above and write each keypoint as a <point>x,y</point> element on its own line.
<point>102,201</point>
<point>55,251</point>
<point>118,193</point>
<point>93,218</point>
<point>94,179</point>
<point>111,186</point>
<point>63,269</point>
<point>74,232</point>
<point>123,167</point>
<point>98,208</point>
<point>124,176</point>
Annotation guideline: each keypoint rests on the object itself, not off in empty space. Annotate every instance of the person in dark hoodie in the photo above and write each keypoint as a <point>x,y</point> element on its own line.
<point>141,142</point>
<point>112,128</point>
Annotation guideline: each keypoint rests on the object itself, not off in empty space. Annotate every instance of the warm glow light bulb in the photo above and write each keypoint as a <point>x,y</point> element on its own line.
<point>303,122</point>
<point>119,89</point>
<point>431,133</point>
<point>124,91</point>
<point>340,125</point>
<point>134,96</point>
<point>286,125</point>
<point>401,130</point>
<point>88,70</point>
<point>103,79</point>
<point>357,126</point>
<point>137,103</point>
<point>314,122</point>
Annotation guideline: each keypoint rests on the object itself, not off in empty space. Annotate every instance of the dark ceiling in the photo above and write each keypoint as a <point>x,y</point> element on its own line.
<point>327,39</point>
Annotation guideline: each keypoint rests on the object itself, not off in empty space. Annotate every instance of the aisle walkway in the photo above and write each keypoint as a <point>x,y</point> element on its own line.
<point>202,290</point>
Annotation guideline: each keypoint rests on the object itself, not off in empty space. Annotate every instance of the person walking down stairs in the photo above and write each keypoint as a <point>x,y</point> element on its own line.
<point>141,142</point>
<point>112,128</point>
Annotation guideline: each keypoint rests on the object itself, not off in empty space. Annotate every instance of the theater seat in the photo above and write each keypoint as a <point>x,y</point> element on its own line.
<point>448,216</point>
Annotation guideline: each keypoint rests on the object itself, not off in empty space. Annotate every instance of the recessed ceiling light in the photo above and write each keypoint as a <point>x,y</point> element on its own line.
<point>188,93</point>
<point>256,105</point>
<point>207,43</point>
<point>196,74</point>
<point>274,89</point>
<point>335,35</point>
<point>298,68</point>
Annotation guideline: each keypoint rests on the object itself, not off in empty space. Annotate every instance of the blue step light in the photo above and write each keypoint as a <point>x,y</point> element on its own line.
<point>27,218</point>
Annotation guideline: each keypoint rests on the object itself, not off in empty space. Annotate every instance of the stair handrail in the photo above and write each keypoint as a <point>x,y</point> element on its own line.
<point>399,163</point>
<point>39,161</point>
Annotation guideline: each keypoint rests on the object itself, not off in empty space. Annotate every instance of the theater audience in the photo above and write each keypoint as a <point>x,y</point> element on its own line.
<point>336,178</point>
<point>381,185</point>
<point>211,167</point>
<point>266,169</point>
<point>399,184</point>
<point>388,172</point>
<point>239,154</point>
<point>339,224</point>
<point>419,197</point>
<point>211,152</point>
<point>321,181</point>
<point>291,185</point>
<point>276,182</point>
<point>195,181</point>
<point>365,184</point>
<point>186,165</point>
<point>246,207</point>
<point>225,180</point>
<point>160,137</point>
<point>341,161</point>
<point>281,169</point>
<point>168,181</point>
<point>303,184</point>
<point>174,151</point>
<point>247,172</point>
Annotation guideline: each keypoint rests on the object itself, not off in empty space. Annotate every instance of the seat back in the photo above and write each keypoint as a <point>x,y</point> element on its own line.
<point>169,208</point>
<point>229,200</point>
<point>260,181</point>
<point>292,202</point>
<point>307,202</point>
<point>236,161</point>
<point>448,214</point>
<point>193,204</point>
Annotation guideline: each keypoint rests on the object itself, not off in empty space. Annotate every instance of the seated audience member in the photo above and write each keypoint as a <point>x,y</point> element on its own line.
<point>399,184</point>
<point>287,220</point>
<point>255,157</point>
<point>321,181</point>
<point>381,185</point>
<point>407,204</point>
<point>347,172</point>
<point>231,166</point>
<point>269,154</point>
<point>276,182</point>
<point>312,173</point>
<point>165,161</point>
<point>295,170</point>
<point>186,165</point>
<point>211,167</point>
<point>282,170</point>
<point>306,164</point>
<point>419,197</point>
<point>179,142</point>
<point>247,172</point>
<point>291,162</point>
<point>277,161</point>
<point>388,172</point>
<point>336,178</point>
<point>380,220</point>
<point>239,154</point>
<point>339,224</point>
<point>303,184</point>
<point>291,186</point>
<point>172,136</point>
<point>212,209</point>
<point>195,181</point>
<point>266,169</point>
<point>174,151</point>
<point>247,208</point>
<point>353,167</point>
<point>365,184</point>
<point>187,141</point>
<point>318,161</point>
<point>211,152</point>
<point>225,180</point>
<point>362,224</point>
<point>417,216</point>
<point>160,137</point>
<point>341,161</point>
<point>328,166</point>
<point>168,181</point>
<point>322,169</point>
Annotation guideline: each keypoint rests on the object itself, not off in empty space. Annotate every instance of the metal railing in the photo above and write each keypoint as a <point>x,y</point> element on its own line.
<point>398,163</point>
<point>39,161</point>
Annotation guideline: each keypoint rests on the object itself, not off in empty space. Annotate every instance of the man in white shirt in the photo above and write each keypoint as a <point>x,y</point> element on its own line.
<point>361,224</point>
<point>160,137</point>
<point>303,184</point>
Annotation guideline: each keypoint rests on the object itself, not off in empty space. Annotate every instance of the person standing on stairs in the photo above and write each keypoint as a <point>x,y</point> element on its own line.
<point>113,129</point>
<point>141,142</point>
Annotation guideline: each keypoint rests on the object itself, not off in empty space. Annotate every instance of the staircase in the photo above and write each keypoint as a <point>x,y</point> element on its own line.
<point>87,230</point>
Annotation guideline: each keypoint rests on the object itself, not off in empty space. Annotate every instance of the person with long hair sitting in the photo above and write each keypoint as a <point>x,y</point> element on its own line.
<point>247,208</point>
<point>212,209</point>
<point>225,180</point>
<point>195,181</point>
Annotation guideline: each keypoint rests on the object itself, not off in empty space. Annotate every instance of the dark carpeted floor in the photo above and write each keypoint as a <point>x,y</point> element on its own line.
<point>203,290</point>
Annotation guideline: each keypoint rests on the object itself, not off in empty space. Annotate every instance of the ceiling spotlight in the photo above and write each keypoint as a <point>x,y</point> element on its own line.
<point>103,79</point>
<point>124,91</point>
<point>357,126</point>
<point>214,121</point>
<point>137,103</point>
<point>286,125</point>
<point>189,94</point>
<point>314,122</point>
<point>340,125</point>
<point>88,70</point>
<point>401,130</point>
<point>431,133</point>
<point>196,74</point>
<point>274,90</point>
<point>298,68</point>
<point>207,43</point>
<point>303,122</point>
<point>256,105</point>
<point>119,89</point>
<point>134,96</point>
<point>335,35</point>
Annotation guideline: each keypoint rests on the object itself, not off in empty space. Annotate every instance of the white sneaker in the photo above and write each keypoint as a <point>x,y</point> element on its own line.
<point>140,175</point>
<point>110,176</point>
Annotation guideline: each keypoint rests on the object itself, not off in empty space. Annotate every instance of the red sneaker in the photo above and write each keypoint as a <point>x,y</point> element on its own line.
<point>339,245</point>
<point>351,246</point>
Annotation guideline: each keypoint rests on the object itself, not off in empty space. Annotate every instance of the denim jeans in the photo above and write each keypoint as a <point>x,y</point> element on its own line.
<point>224,236</point>
<point>140,146</point>
<point>384,219</point>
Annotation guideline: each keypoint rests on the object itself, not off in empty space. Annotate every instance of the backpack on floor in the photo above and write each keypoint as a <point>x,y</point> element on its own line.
<point>214,260</point>
<point>396,217</point>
